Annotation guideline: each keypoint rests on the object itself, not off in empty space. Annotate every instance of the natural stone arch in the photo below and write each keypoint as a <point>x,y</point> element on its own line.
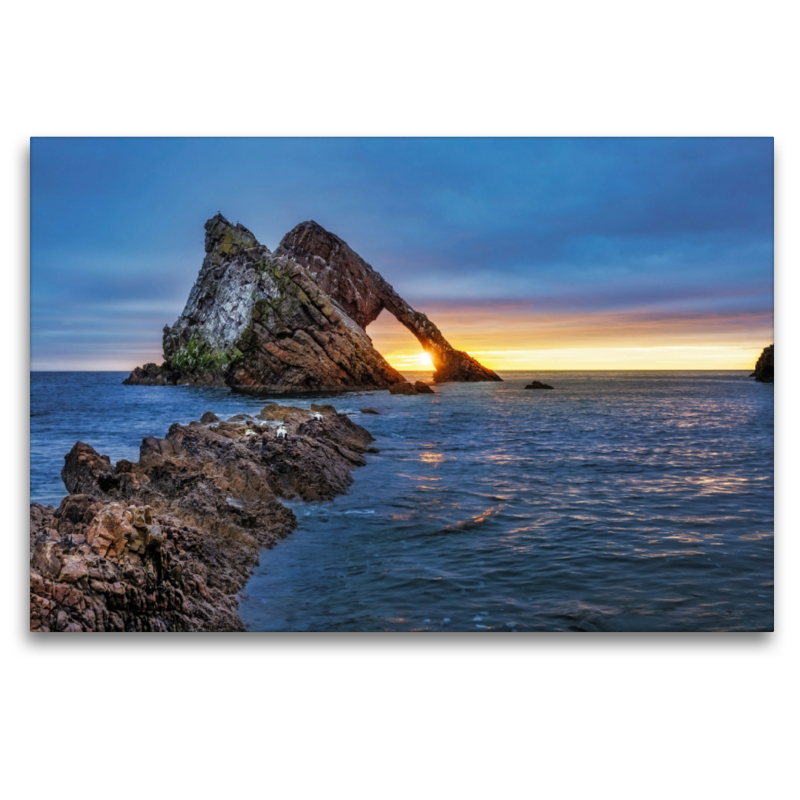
<point>293,321</point>
<point>363,293</point>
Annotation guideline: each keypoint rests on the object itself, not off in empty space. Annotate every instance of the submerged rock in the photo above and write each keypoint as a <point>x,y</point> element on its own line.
<point>538,385</point>
<point>765,366</point>
<point>167,542</point>
<point>369,411</point>
<point>290,322</point>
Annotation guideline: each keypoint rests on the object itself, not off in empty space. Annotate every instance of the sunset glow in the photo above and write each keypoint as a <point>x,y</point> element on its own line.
<point>529,254</point>
<point>534,343</point>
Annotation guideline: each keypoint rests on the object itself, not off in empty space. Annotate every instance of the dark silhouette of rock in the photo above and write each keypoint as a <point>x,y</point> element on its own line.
<point>166,543</point>
<point>765,366</point>
<point>209,418</point>
<point>423,388</point>
<point>290,322</point>
<point>538,385</point>
<point>403,388</point>
<point>369,411</point>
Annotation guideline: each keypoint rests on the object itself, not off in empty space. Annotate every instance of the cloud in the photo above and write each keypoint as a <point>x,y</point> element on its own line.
<point>585,231</point>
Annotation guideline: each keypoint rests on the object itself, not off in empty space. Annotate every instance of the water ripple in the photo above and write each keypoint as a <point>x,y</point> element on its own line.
<point>618,502</point>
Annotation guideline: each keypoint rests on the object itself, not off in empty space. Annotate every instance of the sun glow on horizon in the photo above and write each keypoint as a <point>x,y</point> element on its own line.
<point>509,341</point>
<point>410,361</point>
<point>666,357</point>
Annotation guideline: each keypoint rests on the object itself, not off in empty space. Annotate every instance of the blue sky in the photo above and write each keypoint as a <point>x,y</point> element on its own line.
<point>531,252</point>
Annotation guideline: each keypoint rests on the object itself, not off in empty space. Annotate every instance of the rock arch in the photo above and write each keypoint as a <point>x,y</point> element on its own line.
<point>293,321</point>
<point>363,293</point>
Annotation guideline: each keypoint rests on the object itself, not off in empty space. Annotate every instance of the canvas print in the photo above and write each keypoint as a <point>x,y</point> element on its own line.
<point>419,384</point>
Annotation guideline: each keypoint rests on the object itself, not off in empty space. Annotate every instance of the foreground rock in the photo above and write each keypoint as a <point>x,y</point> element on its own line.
<point>290,322</point>
<point>765,366</point>
<point>538,385</point>
<point>166,543</point>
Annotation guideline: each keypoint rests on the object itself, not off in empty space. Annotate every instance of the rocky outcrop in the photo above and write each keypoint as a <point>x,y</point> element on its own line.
<point>259,323</point>
<point>164,375</point>
<point>403,388</point>
<point>363,293</point>
<point>538,385</point>
<point>290,322</point>
<point>418,387</point>
<point>167,542</point>
<point>765,366</point>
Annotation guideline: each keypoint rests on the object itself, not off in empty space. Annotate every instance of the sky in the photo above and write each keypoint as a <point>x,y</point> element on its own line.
<point>528,253</point>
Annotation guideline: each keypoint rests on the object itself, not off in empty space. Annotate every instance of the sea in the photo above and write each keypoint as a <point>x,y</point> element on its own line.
<point>618,501</point>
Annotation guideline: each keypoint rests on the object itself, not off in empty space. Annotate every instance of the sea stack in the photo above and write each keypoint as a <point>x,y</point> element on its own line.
<point>291,322</point>
<point>765,369</point>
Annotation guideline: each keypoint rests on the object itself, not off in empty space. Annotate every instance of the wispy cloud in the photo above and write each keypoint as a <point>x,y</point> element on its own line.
<point>546,241</point>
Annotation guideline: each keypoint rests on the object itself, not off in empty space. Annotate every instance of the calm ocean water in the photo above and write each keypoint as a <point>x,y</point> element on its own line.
<point>621,501</point>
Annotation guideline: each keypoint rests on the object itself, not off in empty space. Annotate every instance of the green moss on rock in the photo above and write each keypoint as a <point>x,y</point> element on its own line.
<point>197,355</point>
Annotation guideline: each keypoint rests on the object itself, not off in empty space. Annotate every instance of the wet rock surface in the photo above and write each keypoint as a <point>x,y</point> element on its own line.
<point>403,388</point>
<point>765,366</point>
<point>163,375</point>
<point>167,542</point>
<point>418,387</point>
<point>290,322</point>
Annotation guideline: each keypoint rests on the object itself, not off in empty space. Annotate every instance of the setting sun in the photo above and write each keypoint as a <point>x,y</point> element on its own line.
<point>424,361</point>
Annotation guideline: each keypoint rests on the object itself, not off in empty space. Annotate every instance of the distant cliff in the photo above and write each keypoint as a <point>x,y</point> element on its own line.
<point>291,322</point>
<point>765,369</point>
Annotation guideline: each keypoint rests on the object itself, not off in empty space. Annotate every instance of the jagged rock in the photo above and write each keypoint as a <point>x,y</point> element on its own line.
<point>291,322</point>
<point>209,418</point>
<point>363,293</point>
<point>423,388</point>
<point>765,366</point>
<point>167,542</point>
<point>538,385</point>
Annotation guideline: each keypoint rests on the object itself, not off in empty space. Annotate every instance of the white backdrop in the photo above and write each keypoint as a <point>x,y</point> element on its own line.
<point>557,716</point>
